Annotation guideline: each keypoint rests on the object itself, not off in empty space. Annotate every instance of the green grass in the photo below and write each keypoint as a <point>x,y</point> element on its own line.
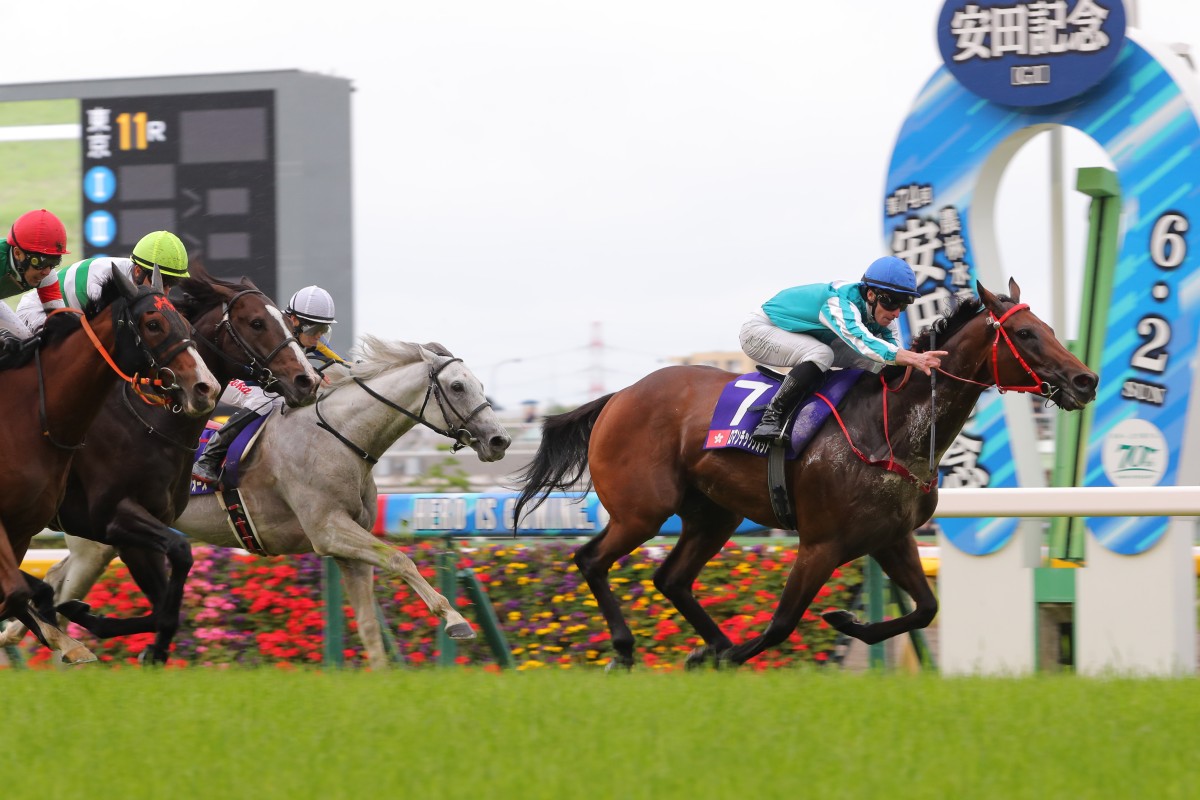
<point>572,734</point>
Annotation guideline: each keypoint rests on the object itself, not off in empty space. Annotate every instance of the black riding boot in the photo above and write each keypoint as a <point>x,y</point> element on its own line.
<point>799,382</point>
<point>208,467</point>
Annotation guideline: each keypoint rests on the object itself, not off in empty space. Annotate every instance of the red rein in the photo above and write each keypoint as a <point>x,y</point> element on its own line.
<point>891,465</point>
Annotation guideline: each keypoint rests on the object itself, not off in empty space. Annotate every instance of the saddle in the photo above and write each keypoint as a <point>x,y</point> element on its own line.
<point>740,407</point>
<point>226,489</point>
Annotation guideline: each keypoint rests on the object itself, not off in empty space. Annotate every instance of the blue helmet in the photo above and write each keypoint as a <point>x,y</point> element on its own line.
<point>891,274</point>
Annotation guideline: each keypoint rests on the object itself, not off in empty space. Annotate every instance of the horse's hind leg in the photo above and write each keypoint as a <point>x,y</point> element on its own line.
<point>359,580</point>
<point>705,532</point>
<point>595,559</point>
<point>902,563</point>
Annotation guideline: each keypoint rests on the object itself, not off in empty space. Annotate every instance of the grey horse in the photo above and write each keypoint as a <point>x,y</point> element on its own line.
<point>307,481</point>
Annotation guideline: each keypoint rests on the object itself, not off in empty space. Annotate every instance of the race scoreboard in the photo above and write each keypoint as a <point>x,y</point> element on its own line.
<point>251,170</point>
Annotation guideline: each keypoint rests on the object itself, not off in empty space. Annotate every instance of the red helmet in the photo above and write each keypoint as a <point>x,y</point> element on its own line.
<point>39,232</point>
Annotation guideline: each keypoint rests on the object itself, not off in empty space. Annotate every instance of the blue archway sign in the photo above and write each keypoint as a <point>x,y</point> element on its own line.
<point>1143,114</point>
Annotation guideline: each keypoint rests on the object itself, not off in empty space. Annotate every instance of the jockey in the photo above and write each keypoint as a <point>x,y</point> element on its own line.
<point>310,314</point>
<point>35,245</point>
<point>82,281</point>
<point>845,324</point>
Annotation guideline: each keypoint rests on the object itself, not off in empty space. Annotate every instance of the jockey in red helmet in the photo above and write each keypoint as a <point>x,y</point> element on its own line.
<point>35,245</point>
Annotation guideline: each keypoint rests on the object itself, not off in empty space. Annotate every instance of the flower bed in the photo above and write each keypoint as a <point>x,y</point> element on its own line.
<point>241,609</point>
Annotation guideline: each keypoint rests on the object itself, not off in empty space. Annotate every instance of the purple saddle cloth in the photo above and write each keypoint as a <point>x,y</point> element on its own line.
<point>233,458</point>
<point>744,399</point>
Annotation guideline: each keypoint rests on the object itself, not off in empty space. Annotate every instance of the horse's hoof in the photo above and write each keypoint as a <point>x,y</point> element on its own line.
<point>460,630</point>
<point>699,657</point>
<point>78,655</point>
<point>840,620</point>
<point>150,657</point>
<point>618,665</point>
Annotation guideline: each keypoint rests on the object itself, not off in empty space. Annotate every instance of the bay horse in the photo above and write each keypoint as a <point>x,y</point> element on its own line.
<point>130,502</point>
<point>48,405</point>
<point>308,482</point>
<point>644,448</point>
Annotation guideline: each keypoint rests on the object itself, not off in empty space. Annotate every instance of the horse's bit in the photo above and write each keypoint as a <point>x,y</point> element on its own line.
<point>461,435</point>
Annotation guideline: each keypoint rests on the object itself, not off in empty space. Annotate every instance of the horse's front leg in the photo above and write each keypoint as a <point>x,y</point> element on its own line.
<point>902,563</point>
<point>345,540</point>
<point>812,568</point>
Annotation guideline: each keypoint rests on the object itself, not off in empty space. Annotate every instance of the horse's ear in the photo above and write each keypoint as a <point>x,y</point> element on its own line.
<point>1014,291</point>
<point>990,301</point>
<point>124,283</point>
<point>156,282</point>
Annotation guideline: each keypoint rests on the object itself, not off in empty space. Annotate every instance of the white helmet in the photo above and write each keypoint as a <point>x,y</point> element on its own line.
<point>312,304</point>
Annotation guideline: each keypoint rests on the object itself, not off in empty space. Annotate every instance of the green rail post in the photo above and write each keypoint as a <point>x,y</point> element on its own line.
<point>447,579</point>
<point>486,614</point>
<point>875,601</point>
<point>335,618</point>
<point>15,660</point>
<point>390,646</point>
<point>1067,534</point>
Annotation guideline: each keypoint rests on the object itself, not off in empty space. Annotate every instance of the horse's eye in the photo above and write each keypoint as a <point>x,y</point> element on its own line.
<point>257,324</point>
<point>1026,334</point>
<point>456,386</point>
<point>154,326</point>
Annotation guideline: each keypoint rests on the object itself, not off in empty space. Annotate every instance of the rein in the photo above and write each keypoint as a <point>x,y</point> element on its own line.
<point>133,381</point>
<point>1039,387</point>
<point>462,437</point>
<point>258,372</point>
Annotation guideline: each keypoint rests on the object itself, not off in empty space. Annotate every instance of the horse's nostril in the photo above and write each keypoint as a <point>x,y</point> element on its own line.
<point>500,442</point>
<point>1085,381</point>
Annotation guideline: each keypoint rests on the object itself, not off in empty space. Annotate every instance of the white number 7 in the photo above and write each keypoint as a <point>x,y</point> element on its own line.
<point>756,391</point>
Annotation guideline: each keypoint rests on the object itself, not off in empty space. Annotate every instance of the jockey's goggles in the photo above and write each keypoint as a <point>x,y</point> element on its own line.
<point>315,329</point>
<point>891,302</point>
<point>41,261</point>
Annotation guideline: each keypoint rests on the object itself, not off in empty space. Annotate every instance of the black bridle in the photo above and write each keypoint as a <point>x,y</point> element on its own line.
<point>461,436</point>
<point>126,317</point>
<point>257,367</point>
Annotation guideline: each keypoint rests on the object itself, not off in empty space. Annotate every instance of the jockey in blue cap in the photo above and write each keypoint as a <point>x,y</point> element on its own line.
<point>814,327</point>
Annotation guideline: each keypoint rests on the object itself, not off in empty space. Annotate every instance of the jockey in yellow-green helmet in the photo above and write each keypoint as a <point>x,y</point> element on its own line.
<point>82,281</point>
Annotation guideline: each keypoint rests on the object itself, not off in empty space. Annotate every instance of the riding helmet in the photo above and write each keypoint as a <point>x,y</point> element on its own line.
<point>891,274</point>
<point>312,304</point>
<point>39,232</point>
<point>164,250</point>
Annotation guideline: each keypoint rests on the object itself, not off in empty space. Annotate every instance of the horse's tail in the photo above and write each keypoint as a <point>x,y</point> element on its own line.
<point>561,458</point>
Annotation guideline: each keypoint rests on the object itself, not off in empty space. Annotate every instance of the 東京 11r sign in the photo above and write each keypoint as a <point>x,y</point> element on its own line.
<point>251,170</point>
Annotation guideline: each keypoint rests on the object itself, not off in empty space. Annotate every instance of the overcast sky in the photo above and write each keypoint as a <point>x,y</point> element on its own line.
<point>529,174</point>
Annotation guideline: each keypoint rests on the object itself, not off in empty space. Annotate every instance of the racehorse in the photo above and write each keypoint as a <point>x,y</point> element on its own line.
<point>48,406</point>
<point>307,481</point>
<point>645,449</point>
<point>130,502</point>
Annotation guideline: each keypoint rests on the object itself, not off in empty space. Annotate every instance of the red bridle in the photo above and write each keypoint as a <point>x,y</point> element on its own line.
<point>1038,386</point>
<point>891,465</point>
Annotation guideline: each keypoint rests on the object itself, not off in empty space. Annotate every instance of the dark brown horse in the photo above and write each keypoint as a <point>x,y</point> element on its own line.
<point>130,501</point>
<point>48,405</point>
<point>644,447</point>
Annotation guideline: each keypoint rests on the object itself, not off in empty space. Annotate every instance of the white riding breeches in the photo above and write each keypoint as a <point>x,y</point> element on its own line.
<point>10,321</point>
<point>771,345</point>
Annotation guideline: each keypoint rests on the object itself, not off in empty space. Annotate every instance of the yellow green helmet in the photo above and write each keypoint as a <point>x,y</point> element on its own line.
<point>164,250</point>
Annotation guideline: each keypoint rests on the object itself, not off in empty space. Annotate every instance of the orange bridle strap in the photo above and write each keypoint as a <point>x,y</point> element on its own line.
<point>134,380</point>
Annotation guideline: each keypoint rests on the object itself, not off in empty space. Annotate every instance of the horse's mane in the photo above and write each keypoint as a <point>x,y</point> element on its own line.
<point>198,293</point>
<point>59,326</point>
<point>373,356</point>
<point>961,311</point>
